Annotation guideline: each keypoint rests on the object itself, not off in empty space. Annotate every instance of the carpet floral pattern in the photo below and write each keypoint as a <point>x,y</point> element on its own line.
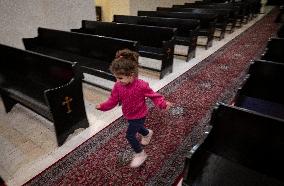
<point>104,158</point>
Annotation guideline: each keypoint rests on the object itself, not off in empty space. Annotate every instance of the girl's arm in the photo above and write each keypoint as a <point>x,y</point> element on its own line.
<point>111,102</point>
<point>157,98</point>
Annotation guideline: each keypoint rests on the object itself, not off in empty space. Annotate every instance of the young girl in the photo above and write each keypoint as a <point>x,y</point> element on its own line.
<point>131,92</point>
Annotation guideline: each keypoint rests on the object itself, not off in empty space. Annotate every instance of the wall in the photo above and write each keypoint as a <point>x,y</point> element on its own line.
<point>136,5</point>
<point>130,7</point>
<point>105,8</point>
<point>21,18</point>
<point>111,7</point>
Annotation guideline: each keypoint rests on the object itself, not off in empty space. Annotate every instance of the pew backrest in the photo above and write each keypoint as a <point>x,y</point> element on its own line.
<point>207,20</point>
<point>274,50</point>
<point>93,53</point>
<point>234,11</point>
<point>18,65</point>
<point>222,14</point>
<point>184,26</point>
<point>280,32</point>
<point>186,33</point>
<point>263,81</point>
<point>129,19</point>
<point>145,35</point>
<point>245,7</point>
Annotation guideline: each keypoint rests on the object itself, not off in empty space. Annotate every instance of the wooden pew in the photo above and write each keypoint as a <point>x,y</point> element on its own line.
<point>207,21</point>
<point>274,50</point>
<point>154,42</point>
<point>93,53</point>
<point>274,2</point>
<point>280,31</point>
<point>262,90</point>
<point>234,15</point>
<point>244,9</point>
<point>243,148</point>
<point>248,8</point>
<point>222,16</point>
<point>280,16</point>
<point>253,5</point>
<point>186,33</point>
<point>49,86</point>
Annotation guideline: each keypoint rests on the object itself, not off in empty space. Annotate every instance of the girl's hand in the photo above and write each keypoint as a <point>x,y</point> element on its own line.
<point>169,105</point>
<point>98,107</point>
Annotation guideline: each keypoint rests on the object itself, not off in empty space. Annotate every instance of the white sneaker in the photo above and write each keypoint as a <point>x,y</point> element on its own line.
<point>146,139</point>
<point>138,159</point>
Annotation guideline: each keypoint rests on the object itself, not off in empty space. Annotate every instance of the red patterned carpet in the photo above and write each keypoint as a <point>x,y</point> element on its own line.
<point>104,158</point>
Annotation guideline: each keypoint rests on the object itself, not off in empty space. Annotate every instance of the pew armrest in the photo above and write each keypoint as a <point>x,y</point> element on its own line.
<point>66,103</point>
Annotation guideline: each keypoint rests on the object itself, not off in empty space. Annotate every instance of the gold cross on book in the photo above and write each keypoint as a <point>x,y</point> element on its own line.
<point>67,103</point>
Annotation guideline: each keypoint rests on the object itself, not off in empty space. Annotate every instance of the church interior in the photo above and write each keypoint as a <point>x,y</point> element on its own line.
<point>217,62</point>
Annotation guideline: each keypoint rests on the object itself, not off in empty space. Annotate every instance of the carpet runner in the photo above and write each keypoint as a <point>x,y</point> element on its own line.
<point>104,158</point>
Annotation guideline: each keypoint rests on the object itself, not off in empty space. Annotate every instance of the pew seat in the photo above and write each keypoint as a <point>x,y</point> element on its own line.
<point>274,50</point>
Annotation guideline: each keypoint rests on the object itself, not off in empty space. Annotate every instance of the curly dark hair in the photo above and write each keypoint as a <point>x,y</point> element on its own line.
<point>125,63</point>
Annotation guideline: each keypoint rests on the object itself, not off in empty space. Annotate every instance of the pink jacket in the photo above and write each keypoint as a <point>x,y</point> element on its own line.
<point>132,98</point>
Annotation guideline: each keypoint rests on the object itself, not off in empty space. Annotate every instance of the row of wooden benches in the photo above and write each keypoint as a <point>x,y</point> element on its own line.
<point>244,145</point>
<point>211,17</point>
<point>232,13</point>
<point>152,41</point>
<point>47,77</point>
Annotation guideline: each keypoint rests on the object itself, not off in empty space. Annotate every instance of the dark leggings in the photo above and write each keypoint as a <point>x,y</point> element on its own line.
<point>136,125</point>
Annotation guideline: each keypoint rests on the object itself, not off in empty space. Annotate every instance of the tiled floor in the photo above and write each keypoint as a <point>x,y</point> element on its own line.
<point>27,141</point>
